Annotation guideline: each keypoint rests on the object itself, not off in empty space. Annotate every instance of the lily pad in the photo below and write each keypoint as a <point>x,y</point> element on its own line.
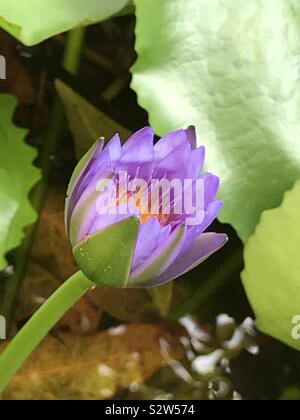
<point>17,177</point>
<point>272,268</point>
<point>33,21</point>
<point>231,68</point>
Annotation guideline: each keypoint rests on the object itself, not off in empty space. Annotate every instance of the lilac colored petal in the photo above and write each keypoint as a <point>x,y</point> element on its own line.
<point>109,156</point>
<point>171,155</point>
<point>93,177</point>
<point>83,216</point>
<point>164,233</point>
<point>196,163</point>
<point>194,231</point>
<point>103,162</point>
<point>175,164</point>
<point>168,144</point>
<point>163,256</point>
<point>73,193</point>
<point>85,211</point>
<point>191,136</point>
<point>202,248</point>
<point>211,213</point>
<point>211,187</point>
<point>148,238</point>
<point>114,148</point>
<point>102,221</point>
<point>133,144</point>
<point>137,154</point>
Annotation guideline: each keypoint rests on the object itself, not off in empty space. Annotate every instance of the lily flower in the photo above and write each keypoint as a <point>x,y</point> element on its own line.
<point>137,214</point>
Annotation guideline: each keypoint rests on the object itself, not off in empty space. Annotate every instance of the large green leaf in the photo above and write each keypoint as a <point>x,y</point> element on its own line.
<point>17,177</point>
<point>230,67</point>
<point>272,270</point>
<point>33,21</point>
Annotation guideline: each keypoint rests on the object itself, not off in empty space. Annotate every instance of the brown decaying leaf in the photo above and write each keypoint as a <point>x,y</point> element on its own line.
<point>82,318</point>
<point>95,367</point>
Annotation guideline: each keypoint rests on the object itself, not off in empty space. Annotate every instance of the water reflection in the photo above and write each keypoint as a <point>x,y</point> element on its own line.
<point>204,373</point>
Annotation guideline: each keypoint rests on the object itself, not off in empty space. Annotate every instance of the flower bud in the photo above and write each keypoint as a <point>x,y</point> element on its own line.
<point>136,214</point>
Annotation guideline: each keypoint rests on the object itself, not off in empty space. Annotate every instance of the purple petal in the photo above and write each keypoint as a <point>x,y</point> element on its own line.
<point>137,154</point>
<point>194,231</point>
<point>168,144</point>
<point>85,211</point>
<point>172,155</point>
<point>114,148</point>
<point>102,221</point>
<point>175,164</point>
<point>79,174</point>
<point>211,187</point>
<point>148,239</point>
<point>211,213</point>
<point>191,136</point>
<point>202,248</point>
<point>139,142</point>
<point>162,257</point>
<point>104,160</point>
<point>196,163</point>
<point>164,233</point>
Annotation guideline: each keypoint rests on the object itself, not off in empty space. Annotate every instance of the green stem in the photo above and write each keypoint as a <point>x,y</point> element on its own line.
<point>71,63</point>
<point>74,46</point>
<point>40,324</point>
<point>210,287</point>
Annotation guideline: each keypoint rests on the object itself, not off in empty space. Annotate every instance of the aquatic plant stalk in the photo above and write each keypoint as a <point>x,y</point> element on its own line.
<point>40,324</point>
<point>71,62</point>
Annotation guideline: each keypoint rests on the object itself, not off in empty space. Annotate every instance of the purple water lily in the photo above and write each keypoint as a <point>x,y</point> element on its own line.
<point>166,244</point>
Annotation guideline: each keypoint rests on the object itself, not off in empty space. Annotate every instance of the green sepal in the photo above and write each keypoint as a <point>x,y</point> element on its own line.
<point>106,257</point>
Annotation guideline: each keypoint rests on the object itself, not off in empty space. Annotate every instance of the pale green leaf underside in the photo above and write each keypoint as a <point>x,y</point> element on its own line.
<point>17,177</point>
<point>230,67</point>
<point>33,21</point>
<point>272,267</point>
